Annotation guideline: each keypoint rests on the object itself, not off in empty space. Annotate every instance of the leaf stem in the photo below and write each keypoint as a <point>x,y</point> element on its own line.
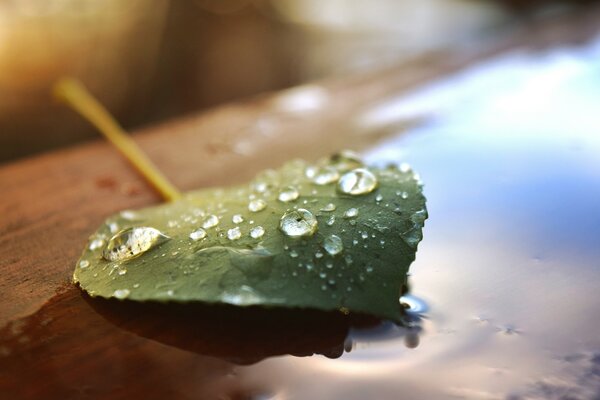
<point>78,98</point>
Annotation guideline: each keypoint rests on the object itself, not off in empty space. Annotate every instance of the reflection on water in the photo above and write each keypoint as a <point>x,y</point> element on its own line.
<point>509,265</point>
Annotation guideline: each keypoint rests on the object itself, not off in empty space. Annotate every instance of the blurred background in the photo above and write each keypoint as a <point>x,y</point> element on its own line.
<point>151,61</point>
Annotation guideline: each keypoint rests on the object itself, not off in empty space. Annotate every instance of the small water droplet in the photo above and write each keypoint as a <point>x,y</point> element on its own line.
<point>136,285</point>
<point>293,254</point>
<point>257,205</point>
<point>358,181</point>
<point>260,186</point>
<point>297,223</point>
<point>329,207</point>
<point>333,245</point>
<point>318,254</point>
<point>121,293</point>
<point>210,221</point>
<point>96,244</point>
<point>322,175</point>
<point>198,234</point>
<point>351,213</point>
<point>234,233</point>
<point>331,220</point>
<point>84,264</point>
<point>132,242</point>
<point>170,292</point>
<point>369,269</point>
<point>237,219</point>
<point>128,215</point>
<point>113,227</point>
<point>346,160</point>
<point>257,232</point>
<point>364,235</point>
<point>288,194</point>
<point>404,167</point>
<point>404,195</point>
<point>378,198</point>
<point>122,271</point>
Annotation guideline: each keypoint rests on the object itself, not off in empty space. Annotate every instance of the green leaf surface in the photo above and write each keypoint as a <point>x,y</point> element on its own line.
<point>330,236</point>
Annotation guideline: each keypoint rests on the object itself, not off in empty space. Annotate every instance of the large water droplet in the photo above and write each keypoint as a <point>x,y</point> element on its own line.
<point>234,233</point>
<point>288,194</point>
<point>333,245</point>
<point>297,223</point>
<point>132,242</point>
<point>198,234</point>
<point>257,232</point>
<point>210,222</point>
<point>121,293</point>
<point>257,205</point>
<point>358,181</point>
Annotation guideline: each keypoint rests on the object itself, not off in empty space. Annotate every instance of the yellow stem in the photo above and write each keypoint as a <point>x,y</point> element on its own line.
<point>76,95</point>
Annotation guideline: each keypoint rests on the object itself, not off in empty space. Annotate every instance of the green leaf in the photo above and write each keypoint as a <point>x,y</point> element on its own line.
<point>332,236</point>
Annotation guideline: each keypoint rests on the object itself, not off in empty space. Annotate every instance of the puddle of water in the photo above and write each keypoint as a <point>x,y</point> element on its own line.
<point>509,267</point>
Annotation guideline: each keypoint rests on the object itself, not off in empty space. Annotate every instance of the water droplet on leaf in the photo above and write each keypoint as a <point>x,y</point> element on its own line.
<point>257,232</point>
<point>288,194</point>
<point>357,182</point>
<point>234,233</point>
<point>351,213</point>
<point>237,219</point>
<point>121,293</point>
<point>257,205</point>
<point>198,234</point>
<point>132,242</point>
<point>210,222</point>
<point>333,245</point>
<point>297,223</point>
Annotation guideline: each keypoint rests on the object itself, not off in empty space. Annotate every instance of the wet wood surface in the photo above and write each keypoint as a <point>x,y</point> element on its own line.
<point>56,343</point>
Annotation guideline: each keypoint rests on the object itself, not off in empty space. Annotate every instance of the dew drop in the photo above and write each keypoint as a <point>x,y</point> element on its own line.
<point>378,198</point>
<point>121,293</point>
<point>329,207</point>
<point>136,285</point>
<point>318,254</point>
<point>333,245</point>
<point>234,233</point>
<point>297,223</point>
<point>132,242</point>
<point>331,220</point>
<point>237,219</point>
<point>198,234</point>
<point>358,181</point>
<point>257,232</point>
<point>288,194</point>
<point>257,205</point>
<point>323,175</point>
<point>96,244</point>
<point>210,221</point>
<point>128,215</point>
<point>293,254</point>
<point>122,271</point>
<point>84,264</point>
<point>346,160</point>
<point>365,235</point>
<point>351,213</point>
